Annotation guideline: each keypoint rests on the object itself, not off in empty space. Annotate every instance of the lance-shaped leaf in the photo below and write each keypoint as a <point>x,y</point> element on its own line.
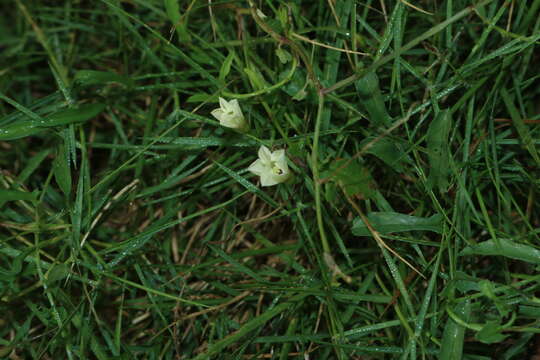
<point>372,100</point>
<point>391,222</point>
<point>438,149</point>
<point>506,248</point>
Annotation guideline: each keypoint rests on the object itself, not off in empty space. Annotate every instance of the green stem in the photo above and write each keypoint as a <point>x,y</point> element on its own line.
<point>316,178</point>
<point>277,85</point>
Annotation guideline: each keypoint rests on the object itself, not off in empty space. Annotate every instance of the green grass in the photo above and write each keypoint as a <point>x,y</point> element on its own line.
<point>130,227</point>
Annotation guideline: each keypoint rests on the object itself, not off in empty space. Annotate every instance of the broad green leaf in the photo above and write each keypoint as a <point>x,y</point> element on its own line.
<point>454,334</point>
<point>62,173</point>
<point>256,78</point>
<point>507,249</point>
<point>94,77</point>
<point>439,150</point>
<point>351,176</point>
<point>388,150</point>
<point>490,333</point>
<point>372,100</point>
<point>283,55</point>
<point>297,85</point>
<point>391,222</point>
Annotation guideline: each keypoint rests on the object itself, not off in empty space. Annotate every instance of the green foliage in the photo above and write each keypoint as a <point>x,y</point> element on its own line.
<point>62,171</point>
<point>390,222</point>
<point>438,149</point>
<point>130,227</point>
<point>371,99</point>
<point>350,176</point>
<point>454,334</point>
<point>504,247</point>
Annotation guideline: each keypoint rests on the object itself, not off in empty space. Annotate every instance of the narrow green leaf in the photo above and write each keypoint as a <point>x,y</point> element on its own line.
<point>236,264</point>
<point>204,142</point>
<point>400,284</point>
<point>63,117</point>
<point>201,98</point>
<point>32,165</point>
<point>70,116</point>
<point>249,186</point>
<point>61,170</point>
<point>248,328</point>
<point>507,249</point>
<point>391,222</point>
<point>521,128</point>
<point>439,150</point>
<point>14,195</point>
<point>173,12</point>
<point>94,77</point>
<point>226,66</point>
<point>77,209</point>
<point>454,334</point>
<point>18,131</point>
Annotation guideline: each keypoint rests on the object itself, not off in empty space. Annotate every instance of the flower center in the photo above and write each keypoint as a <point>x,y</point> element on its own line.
<point>276,170</point>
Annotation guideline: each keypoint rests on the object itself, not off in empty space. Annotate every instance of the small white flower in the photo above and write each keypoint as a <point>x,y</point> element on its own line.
<point>230,115</point>
<point>271,166</point>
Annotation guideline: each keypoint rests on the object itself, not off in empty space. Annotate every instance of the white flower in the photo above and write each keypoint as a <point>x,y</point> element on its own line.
<point>230,115</point>
<point>270,166</point>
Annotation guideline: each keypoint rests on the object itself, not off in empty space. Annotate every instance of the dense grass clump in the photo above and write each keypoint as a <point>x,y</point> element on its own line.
<point>131,228</point>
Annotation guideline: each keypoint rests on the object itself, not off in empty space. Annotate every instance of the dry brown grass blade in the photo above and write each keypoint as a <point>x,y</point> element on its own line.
<point>416,7</point>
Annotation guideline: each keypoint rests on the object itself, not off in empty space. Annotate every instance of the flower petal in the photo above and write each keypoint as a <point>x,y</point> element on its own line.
<point>229,121</point>
<point>279,158</point>
<point>268,179</point>
<point>257,167</point>
<point>223,103</point>
<point>265,155</point>
<point>218,114</point>
<point>235,106</point>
